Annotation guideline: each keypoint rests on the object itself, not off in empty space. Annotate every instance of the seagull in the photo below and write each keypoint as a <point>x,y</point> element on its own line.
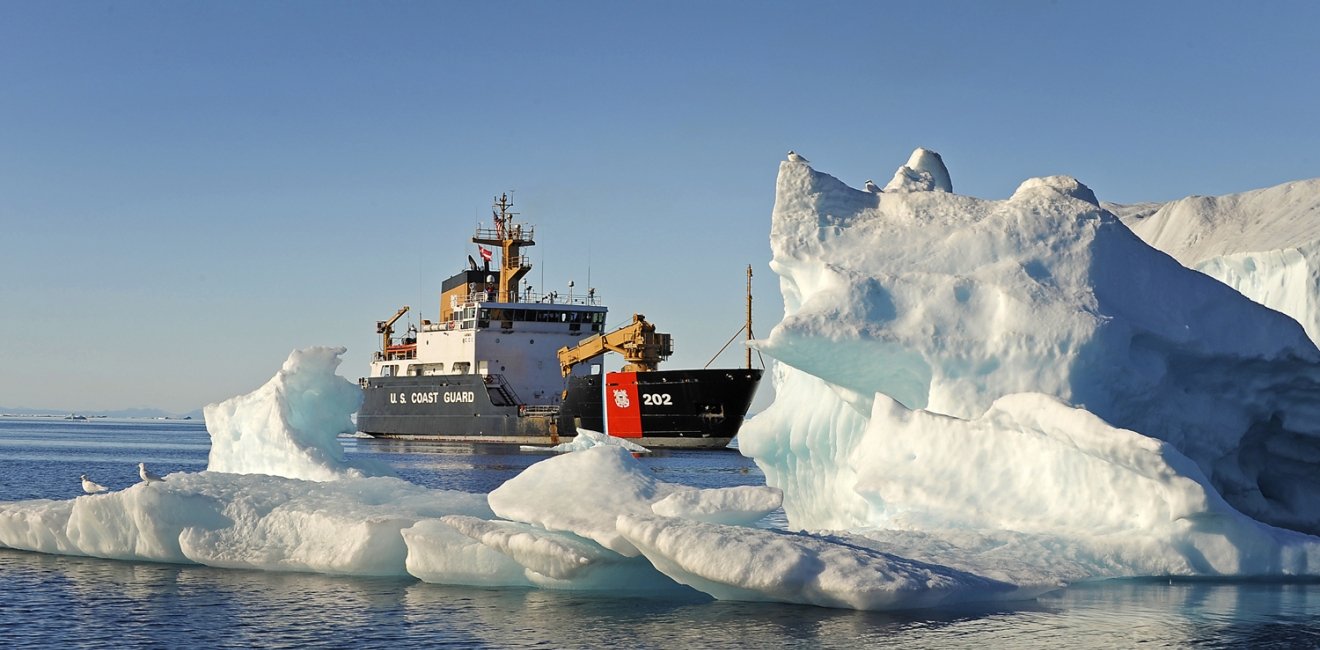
<point>148,477</point>
<point>872,187</point>
<point>794,157</point>
<point>92,487</point>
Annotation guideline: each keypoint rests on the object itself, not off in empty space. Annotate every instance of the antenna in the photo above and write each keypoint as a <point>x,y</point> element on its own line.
<point>749,316</point>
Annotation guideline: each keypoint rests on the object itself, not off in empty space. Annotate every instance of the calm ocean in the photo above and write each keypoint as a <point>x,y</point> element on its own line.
<point>59,602</point>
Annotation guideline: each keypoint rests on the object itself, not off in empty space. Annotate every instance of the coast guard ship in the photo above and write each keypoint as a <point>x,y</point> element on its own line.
<point>502,365</point>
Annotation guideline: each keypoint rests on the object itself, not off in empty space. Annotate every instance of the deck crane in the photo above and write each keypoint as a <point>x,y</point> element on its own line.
<point>641,346</point>
<point>385,328</point>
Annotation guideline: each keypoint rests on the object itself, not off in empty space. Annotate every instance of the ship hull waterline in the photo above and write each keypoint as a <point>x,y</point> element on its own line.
<point>676,409</point>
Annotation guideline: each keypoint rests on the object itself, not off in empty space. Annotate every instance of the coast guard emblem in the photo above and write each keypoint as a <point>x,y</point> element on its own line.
<point>621,398</point>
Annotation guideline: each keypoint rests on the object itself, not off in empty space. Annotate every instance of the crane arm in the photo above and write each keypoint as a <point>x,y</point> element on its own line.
<point>386,328</point>
<point>641,346</point>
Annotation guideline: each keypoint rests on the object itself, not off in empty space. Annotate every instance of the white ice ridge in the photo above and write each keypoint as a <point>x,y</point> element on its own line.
<point>1264,243</point>
<point>947,303</point>
<point>290,426</point>
<point>350,526</point>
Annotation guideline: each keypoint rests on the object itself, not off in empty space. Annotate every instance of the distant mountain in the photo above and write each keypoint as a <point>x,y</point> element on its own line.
<point>120,413</point>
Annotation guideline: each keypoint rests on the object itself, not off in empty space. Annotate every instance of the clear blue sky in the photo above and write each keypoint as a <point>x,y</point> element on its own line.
<point>190,190</point>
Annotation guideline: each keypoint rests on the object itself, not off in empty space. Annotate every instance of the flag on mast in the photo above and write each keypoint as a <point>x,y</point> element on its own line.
<point>486,253</point>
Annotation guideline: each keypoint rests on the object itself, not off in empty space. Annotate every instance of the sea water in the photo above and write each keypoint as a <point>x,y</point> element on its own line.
<point>58,601</point>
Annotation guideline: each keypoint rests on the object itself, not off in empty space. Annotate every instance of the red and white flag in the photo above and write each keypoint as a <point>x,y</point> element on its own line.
<point>486,253</point>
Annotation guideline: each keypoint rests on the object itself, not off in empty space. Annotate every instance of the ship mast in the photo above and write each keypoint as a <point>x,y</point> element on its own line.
<point>510,237</point>
<point>749,316</point>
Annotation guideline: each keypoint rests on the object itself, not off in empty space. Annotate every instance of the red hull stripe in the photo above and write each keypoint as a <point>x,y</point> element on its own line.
<point>623,410</point>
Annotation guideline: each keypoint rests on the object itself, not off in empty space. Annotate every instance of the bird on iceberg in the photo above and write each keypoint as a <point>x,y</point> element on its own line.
<point>794,157</point>
<point>872,187</point>
<point>148,477</point>
<point>92,487</point>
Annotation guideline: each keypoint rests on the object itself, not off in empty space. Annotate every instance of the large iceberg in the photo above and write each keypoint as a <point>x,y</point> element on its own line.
<point>1030,367</point>
<point>1264,243</point>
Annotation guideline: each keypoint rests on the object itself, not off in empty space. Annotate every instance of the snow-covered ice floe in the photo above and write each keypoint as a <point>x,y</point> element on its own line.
<point>975,401</point>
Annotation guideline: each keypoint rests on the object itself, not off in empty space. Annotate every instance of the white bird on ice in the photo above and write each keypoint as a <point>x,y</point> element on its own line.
<point>794,157</point>
<point>92,487</point>
<point>872,187</point>
<point>148,476</point>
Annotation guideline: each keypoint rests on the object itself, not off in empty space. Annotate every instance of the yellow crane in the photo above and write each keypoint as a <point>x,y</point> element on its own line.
<point>641,346</point>
<point>385,328</point>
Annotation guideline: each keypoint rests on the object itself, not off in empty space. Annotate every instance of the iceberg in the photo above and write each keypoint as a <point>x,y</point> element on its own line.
<point>290,426</point>
<point>961,370</point>
<point>1264,243</point>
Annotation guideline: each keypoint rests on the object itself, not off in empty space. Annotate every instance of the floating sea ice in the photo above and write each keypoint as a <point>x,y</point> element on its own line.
<point>542,551</point>
<point>439,554</point>
<point>37,525</point>
<point>582,492</point>
<point>735,563</point>
<point>240,521</point>
<point>743,505</point>
<point>289,525</point>
<point>564,560</point>
<point>586,439</point>
<point>290,426</point>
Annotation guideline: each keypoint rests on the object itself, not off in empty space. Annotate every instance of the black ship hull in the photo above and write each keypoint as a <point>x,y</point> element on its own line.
<point>657,409</point>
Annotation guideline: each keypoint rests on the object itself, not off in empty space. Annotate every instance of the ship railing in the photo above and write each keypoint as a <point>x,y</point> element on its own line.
<point>498,384</point>
<point>539,410</point>
<point>589,299</point>
<point>521,233</point>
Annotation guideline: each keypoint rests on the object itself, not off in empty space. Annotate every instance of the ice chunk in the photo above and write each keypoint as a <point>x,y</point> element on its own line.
<point>440,554</point>
<point>290,426</point>
<point>470,550</point>
<point>240,521</point>
<point>582,492</point>
<point>734,563</point>
<point>930,162</point>
<point>544,552</point>
<point>37,525</point>
<point>1063,185</point>
<point>586,439</point>
<point>742,505</point>
<point>924,172</point>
